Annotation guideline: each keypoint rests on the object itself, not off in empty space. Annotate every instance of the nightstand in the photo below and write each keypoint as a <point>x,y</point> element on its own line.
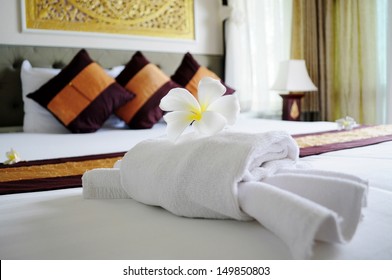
<point>292,77</point>
<point>291,110</point>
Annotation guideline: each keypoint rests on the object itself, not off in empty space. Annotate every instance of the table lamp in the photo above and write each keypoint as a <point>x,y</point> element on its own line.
<point>292,78</point>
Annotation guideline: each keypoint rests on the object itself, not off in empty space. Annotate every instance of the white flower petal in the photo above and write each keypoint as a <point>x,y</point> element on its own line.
<point>228,106</point>
<point>209,90</point>
<point>210,124</point>
<point>177,122</point>
<point>179,99</point>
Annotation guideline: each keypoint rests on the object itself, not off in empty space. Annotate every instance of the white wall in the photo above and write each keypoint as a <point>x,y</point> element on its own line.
<point>208,29</point>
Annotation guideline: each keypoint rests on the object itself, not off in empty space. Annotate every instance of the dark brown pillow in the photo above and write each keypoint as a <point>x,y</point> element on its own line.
<point>149,84</point>
<point>82,96</point>
<point>190,72</point>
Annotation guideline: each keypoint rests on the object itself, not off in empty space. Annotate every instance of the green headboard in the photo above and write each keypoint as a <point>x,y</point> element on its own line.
<point>11,58</point>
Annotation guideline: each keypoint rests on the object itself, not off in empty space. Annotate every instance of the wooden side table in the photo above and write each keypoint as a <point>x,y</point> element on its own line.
<point>291,110</point>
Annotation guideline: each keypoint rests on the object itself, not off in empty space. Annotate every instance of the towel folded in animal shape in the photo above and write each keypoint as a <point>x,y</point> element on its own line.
<point>221,176</point>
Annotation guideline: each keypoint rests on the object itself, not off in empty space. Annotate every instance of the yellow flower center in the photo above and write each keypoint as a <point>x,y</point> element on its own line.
<point>196,113</point>
<point>197,116</point>
<point>11,156</point>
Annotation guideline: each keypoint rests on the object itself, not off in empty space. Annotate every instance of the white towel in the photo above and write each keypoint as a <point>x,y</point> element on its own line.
<point>103,183</point>
<point>240,176</point>
<point>329,174</point>
<point>300,208</point>
<point>198,176</point>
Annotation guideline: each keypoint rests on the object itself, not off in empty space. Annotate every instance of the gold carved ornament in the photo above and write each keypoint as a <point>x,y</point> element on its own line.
<point>159,18</point>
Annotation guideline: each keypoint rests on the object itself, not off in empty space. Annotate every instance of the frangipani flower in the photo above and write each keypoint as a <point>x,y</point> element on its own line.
<point>208,115</point>
<point>346,123</point>
<point>12,157</point>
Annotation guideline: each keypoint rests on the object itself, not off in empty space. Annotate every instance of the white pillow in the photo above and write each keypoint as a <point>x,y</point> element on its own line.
<point>38,119</point>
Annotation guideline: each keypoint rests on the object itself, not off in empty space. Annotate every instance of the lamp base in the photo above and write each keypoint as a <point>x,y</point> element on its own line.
<point>291,110</point>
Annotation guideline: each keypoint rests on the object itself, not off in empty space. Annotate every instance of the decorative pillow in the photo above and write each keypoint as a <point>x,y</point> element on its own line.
<point>149,84</point>
<point>38,119</point>
<point>82,96</point>
<point>190,72</point>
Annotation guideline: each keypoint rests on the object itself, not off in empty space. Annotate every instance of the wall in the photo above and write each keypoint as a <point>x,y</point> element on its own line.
<point>208,28</point>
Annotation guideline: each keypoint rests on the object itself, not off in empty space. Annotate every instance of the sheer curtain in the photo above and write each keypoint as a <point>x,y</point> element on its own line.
<point>257,39</point>
<point>359,55</point>
<point>382,41</point>
<point>389,65</point>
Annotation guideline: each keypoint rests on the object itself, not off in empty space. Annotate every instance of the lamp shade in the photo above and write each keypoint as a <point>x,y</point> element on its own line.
<point>293,76</point>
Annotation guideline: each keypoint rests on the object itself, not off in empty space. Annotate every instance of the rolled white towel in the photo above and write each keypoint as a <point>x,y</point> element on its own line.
<point>198,176</point>
<point>103,183</point>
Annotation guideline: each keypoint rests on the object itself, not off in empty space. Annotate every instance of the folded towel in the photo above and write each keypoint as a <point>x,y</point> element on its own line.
<point>300,208</point>
<point>239,176</point>
<point>330,174</point>
<point>103,183</point>
<point>198,176</point>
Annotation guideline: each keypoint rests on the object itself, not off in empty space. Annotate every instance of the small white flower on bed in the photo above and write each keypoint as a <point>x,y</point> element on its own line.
<point>12,157</point>
<point>346,123</point>
<point>208,115</point>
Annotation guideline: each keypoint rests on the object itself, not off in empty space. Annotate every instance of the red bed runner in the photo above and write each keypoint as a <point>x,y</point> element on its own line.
<point>62,173</point>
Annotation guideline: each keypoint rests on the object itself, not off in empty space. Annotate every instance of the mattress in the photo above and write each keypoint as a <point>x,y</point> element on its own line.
<point>61,224</point>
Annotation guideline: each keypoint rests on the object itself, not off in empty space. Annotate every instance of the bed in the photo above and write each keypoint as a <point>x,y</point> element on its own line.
<point>61,224</point>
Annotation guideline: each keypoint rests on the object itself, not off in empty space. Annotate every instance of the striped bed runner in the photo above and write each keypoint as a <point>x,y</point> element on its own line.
<point>62,173</point>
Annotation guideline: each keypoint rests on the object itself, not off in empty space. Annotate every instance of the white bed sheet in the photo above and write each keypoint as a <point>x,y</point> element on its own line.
<point>32,146</point>
<point>62,225</point>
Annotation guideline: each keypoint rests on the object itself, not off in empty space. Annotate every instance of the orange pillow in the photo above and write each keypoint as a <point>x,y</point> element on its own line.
<point>149,84</point>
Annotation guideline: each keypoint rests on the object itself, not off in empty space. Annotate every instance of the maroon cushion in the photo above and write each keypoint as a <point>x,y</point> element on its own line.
<point>190,72</point>
<point>82,96</point>
<point>149,84</point>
